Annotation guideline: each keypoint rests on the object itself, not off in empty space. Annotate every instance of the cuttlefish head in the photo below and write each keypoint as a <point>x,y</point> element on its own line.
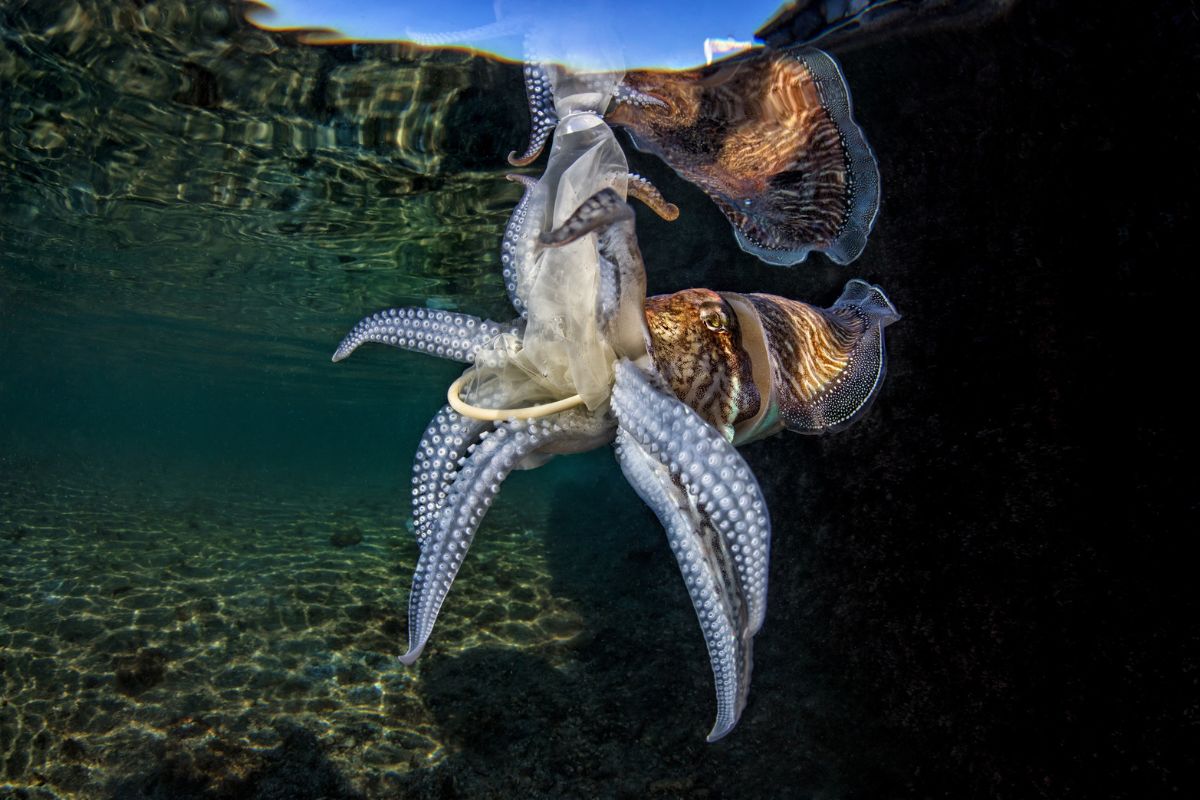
<point>696,346</point>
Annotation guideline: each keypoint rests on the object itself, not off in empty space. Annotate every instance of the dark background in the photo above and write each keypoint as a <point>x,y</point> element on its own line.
<point>990,572</point>
<point>995,576</point>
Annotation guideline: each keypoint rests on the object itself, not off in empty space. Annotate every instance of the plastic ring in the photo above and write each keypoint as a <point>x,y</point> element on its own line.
<point>494,414</point>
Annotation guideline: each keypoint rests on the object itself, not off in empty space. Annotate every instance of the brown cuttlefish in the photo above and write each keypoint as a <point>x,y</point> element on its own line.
<point>768,134</point>
<point>753,364</point>
<point>694,374</point>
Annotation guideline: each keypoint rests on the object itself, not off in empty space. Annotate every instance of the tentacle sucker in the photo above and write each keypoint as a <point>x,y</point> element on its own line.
<point>446,334</point>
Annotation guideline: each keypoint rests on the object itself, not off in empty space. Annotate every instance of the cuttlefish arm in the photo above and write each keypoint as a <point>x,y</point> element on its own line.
<point>447,440</point>
<point>517,253</point>
<point>519,246</point>
<point>446,334</point>
<point>542,116</point>
<point>649,194</point>
<point>449,435</point>
<point>716,521</point>
<point>468,498</point>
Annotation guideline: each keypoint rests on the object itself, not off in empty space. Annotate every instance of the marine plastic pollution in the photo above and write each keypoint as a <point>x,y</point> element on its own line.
<point>674,382</point>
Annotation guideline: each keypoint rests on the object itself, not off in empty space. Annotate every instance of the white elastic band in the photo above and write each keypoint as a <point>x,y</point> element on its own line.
<point>494,414</point>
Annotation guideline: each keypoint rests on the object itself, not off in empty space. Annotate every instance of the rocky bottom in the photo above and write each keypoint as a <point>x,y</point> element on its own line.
<point>231,642</point>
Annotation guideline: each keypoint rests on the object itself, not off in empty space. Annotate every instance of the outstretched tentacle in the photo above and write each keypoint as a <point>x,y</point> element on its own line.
<point>649,194</point>
<point>445,443</point>
<point>716,519</point>
<point>446,334</point>
<point>542,116</point>
<point>468,498</point>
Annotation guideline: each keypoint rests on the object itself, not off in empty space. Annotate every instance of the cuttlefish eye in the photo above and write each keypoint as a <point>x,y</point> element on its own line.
<point>713,317</point>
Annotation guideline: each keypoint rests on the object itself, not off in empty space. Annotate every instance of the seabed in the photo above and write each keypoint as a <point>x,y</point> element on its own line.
<point>212,642</point>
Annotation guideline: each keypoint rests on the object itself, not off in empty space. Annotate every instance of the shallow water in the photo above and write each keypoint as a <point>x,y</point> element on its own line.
<point>193,214</point>
<point>203,543</point>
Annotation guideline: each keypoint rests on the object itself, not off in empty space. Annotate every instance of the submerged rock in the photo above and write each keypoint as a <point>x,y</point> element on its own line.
<point>135,674</point>
<point>346,537</point>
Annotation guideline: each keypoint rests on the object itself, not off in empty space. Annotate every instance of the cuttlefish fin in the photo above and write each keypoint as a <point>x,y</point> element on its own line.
<point>542,116</point>
<point>446,334</point>
<point>716,522</point>
<point>827,364</point>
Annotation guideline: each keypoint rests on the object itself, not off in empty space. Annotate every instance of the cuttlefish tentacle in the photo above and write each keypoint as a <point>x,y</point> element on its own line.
<point>542,116</point>
<point>446,334</point>
<point>649,194</point>
<point>716,520</point>
<point>516,253</point>
<point>446,441</point>
<point>469,497</point>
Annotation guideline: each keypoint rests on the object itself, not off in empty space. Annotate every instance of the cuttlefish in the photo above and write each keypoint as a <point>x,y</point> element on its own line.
<point>768,134</point>
<point>674,382</point>
<point>693,374</point>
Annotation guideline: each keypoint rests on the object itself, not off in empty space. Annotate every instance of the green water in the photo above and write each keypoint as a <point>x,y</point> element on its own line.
<point>192,213</point>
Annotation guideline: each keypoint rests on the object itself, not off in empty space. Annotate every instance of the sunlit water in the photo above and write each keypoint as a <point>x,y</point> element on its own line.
<point>203,520</point>
<point>204,558</point>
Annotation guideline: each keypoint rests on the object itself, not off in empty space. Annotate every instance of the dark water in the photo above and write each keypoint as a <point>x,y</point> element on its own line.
<point>978,591</point>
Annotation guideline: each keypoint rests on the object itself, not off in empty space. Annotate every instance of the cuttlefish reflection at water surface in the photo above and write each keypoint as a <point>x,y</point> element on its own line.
<point>769,135</point>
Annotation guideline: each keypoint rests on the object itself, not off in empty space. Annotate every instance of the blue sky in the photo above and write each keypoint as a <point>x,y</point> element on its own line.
<point>641,34</point>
